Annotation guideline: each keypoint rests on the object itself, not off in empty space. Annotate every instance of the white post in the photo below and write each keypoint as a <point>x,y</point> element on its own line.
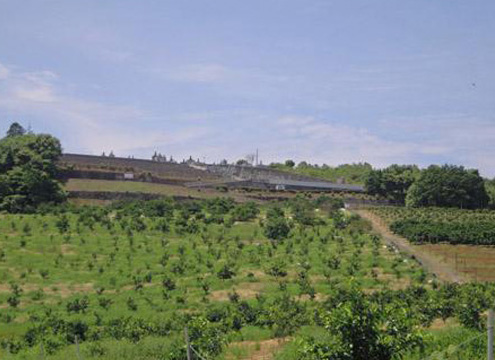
<point>490,333</point>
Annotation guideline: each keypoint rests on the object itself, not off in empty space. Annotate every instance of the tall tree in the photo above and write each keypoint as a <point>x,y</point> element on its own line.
<point>15,129</point>
<point>448,186</point>
<point>392,182</point>
<point>290,163</point>
<point>28,171</point>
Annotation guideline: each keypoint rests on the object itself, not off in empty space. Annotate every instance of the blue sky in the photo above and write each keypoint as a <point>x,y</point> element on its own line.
<point>327,81</point>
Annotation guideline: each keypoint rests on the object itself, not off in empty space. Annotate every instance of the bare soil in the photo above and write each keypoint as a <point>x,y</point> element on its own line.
<point>245,290</point>
<point>260,350</point>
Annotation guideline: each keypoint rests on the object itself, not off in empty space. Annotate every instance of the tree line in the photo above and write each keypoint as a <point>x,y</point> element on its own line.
<point>442,186</point>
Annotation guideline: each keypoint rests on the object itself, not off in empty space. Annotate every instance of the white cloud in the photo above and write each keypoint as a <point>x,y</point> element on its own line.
<point>39,94</point>
<point>29,86</point>
<point>87,125</point>
<point>454,138</point>
<point>95,126</point>
<point>332,143</point>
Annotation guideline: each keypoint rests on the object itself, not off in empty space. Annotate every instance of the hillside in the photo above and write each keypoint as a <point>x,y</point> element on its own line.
<point>99,177</point>
<point>348,173</point>
<point>165,170</point>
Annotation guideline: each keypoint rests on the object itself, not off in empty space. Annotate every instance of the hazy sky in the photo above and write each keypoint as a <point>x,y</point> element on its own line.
<point>327,81</point>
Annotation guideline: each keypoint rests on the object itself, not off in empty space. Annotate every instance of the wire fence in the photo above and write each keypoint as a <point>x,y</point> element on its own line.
<point>194,354</point>
<point>453,350</point>
<point>199,356</point>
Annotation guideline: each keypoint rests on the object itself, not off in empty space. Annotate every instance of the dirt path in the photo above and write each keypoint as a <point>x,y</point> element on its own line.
<point>431,263</point>
<point>261,350</point>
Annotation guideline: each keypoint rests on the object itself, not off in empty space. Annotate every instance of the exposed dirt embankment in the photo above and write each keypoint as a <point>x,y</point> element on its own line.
<point>433,264</point>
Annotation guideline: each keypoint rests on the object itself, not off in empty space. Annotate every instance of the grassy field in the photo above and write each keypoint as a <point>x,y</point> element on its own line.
<point>134,186</point>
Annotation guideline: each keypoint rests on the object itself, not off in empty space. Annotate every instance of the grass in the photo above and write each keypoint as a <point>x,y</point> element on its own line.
<point>168,190</point>
<point>133,186</point>
<point>478,262</point>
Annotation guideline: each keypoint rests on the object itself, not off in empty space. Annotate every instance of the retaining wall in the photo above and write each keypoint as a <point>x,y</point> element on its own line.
<point>113,164</point>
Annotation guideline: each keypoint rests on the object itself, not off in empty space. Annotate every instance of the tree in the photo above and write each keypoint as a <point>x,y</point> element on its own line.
<point>245,212</point>
<point>242,162</point>
<point>276,228</point>
<point>15,130</point>
<point>303,211</point>
<point>14,299</point>
<point>226,272</point>
<point>361,329</point>
<point>286,315</point>
<point>392,182</point>
<point>28,172</point>
<point>290,163</point>
<point>490,190</point>
<point>448,186</point>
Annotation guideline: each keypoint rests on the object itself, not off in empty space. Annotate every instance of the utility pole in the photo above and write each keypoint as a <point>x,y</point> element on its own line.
<point>490,333</point>
<point>188,348</point>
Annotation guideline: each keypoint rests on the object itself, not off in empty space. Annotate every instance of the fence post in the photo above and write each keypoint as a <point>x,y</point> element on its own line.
<point>77,348</point>
<point>490,333</point>
<point>42,351</point>
<point>188,345</point>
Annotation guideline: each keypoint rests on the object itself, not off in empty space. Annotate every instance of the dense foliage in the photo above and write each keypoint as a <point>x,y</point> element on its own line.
<point>392,182</point>
<point>276,226</point>
<point>435,225</point>
<point>444,186</point>
<point>448,186</point>
<point>478,233</point>
<point>490,190</point>
<point>365,328</point>
<point>28,170</point>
